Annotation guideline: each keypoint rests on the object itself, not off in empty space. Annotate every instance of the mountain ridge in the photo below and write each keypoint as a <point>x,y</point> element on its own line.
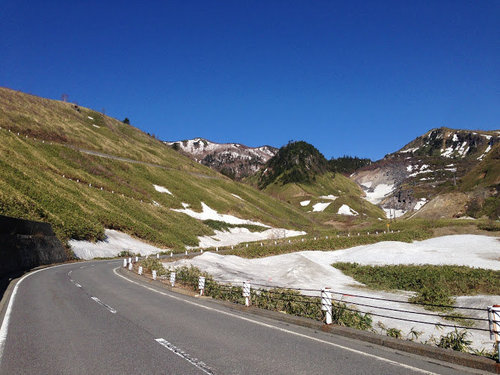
<point>234,160</point>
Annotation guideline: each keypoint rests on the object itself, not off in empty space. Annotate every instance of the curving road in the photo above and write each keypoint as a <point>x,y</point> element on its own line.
<point>89,318</point>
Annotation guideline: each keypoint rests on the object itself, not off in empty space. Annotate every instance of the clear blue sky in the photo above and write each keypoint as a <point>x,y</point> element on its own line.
<point>353,77</point>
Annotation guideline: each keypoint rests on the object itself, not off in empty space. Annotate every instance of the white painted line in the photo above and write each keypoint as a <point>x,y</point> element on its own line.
<point>69,273</point>
<point>78,285</point>
<point>198,364</point>
<point>416,369</point>
<point>5,324</point>
<point>109,308</point>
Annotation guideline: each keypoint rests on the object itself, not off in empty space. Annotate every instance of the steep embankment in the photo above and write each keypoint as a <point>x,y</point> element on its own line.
<point>83,172</point>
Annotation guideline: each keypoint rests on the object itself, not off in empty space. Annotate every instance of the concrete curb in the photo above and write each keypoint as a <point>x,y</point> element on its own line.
<point>445,355</point>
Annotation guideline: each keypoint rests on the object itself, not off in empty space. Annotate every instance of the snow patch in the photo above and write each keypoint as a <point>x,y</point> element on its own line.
<point>329,196</point>
<point>235,236</point>
<point>208,213</point>
<point>346,210</point>
<point>379,193</point>
<point>114,243</point>
<point>305,203</point>
<point>162,189</point>
<point>420,204</point>
<point>319,207</point>
<point>392,213</point>
<point>237,196</point>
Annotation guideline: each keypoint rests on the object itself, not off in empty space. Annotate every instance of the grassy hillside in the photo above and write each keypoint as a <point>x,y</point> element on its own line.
<point>299,173</point>
<point>48,174</point>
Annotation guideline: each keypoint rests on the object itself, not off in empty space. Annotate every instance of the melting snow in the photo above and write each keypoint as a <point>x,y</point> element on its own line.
<point>114,243</point>
<point>319,207</point>
<point>162,189</point>
<point>208,213</point>
<point>485,152</point>
<point>420,204</point>
<point>346,210</point>
<point>329,196</point>
<point>237,196</point>
<point>305,203</point>
<point>392,213</point>
<point>379,193</point>
<point>235,236</point>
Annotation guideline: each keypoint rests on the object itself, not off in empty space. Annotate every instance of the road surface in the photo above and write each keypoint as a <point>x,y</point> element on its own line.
<point>88,318</point>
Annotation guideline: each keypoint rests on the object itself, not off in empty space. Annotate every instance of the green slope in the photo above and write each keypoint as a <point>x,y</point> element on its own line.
<point>48,174</point>
<point>299,172</point>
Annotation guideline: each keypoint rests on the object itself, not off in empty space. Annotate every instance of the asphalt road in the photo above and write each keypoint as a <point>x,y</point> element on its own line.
<point>86,318</point>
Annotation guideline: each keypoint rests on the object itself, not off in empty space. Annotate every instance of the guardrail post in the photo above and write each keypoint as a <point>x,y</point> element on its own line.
<point>140,270</point>
<point>217,249</point>
<point>494,320</point>
<point>158,256</point>
<point>186,252</point>
<point>246,292</point>
<point>136,259</point>
<point>125,262</point>
<point>129,260</point>
<point>172,279</point>
<point>201,251</point>
<point>130,266</point>
<point>326,305</point>
<point>201,284</point>
<point>154,274</point>
<point>171,254</point>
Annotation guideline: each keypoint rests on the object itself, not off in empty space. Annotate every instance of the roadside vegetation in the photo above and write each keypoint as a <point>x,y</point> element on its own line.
<point>433,284</point>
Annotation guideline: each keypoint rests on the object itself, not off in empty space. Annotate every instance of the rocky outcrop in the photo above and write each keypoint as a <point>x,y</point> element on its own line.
<point>432,164</point>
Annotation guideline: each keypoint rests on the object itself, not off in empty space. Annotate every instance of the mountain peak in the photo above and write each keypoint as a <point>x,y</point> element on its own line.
<point>232,159</point>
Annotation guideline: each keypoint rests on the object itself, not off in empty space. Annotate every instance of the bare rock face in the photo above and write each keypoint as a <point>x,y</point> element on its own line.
<point>432,164</point>
<point>232,159</point>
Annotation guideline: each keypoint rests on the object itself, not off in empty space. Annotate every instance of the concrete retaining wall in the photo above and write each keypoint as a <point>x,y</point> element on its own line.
<point>27,244</point>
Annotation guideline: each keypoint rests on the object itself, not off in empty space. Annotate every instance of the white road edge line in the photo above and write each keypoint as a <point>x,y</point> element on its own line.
<point>416,369</point>
<point>195,362</point>
<point>5,324</point>
<point>107,307</point>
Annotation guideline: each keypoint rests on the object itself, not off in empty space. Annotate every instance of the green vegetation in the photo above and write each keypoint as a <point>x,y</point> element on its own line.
<point>284,300</point>
<point>298,162</point>
<point>347,164</point>
<point>223,226</point>
<point>150,264</point>
<point>433,284</point>
<point>45,176</point>
<point>456,340</point>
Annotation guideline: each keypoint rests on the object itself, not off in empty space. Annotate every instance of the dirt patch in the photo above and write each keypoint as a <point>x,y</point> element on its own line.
<point>467,229</point>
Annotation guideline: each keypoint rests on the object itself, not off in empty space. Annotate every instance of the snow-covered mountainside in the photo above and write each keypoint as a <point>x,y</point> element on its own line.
<point>436,163</point>
<point>232,159</point>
